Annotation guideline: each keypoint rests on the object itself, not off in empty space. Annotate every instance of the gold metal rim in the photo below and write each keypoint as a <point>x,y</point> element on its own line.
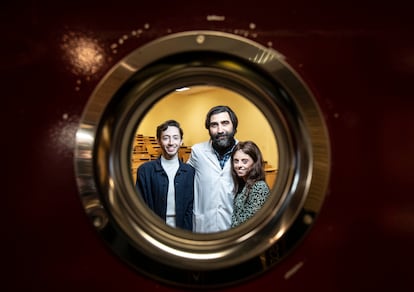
<point>122,98</point>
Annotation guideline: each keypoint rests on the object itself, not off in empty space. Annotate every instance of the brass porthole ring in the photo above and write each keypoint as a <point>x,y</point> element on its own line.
<point>103,148</point>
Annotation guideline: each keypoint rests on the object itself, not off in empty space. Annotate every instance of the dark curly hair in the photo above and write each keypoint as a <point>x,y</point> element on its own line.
<point>161,128</point>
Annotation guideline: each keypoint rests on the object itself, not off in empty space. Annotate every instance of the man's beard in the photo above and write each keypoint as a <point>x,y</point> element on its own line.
<point>223,144</point>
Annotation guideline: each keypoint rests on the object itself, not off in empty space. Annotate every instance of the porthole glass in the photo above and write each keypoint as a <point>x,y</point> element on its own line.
<point>142,90</point>
<point>189,106</point>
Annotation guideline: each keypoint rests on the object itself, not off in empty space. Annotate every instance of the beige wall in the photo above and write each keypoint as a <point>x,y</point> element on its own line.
<point>190,107</point>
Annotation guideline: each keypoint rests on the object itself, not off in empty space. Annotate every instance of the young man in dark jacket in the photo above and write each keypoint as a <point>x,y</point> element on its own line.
<point>167,184</point>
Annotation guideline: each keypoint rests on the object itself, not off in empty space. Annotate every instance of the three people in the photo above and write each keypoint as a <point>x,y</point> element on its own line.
<point>251,189</point>
<point>167,184</point>
<point>214,185</point>
<point>221,186</point>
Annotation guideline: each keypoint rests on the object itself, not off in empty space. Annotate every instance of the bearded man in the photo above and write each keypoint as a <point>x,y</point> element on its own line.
<point>213,184</point>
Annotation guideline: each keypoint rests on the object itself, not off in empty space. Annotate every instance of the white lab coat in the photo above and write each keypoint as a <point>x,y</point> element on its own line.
<point>213,190</point>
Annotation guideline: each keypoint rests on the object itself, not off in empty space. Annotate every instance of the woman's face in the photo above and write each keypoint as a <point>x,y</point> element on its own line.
<point>242,164</point>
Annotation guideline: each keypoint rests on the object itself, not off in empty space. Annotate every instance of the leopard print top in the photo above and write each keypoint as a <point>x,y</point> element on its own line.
<point>245,209</point>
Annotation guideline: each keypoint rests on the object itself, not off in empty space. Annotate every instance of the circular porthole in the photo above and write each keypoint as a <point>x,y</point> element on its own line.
<point>255,80</point>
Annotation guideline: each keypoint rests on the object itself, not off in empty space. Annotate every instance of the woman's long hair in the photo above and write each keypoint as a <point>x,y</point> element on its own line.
<point>256,173</point>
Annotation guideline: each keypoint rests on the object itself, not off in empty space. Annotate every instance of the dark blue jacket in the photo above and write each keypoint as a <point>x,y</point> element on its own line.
<point>152,184</point>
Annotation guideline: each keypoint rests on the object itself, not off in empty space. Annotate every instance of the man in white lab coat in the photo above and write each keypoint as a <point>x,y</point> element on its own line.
<point>213,185</point>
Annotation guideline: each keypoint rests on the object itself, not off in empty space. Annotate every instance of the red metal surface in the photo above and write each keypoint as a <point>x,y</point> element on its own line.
<point>358,59</point>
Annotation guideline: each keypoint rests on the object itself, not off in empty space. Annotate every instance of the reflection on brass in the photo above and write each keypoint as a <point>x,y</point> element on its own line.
<point>118,108</point>
<point>95,212</point>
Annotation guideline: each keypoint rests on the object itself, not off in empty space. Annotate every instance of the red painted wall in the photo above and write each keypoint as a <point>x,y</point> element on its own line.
<point>358,59</point>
